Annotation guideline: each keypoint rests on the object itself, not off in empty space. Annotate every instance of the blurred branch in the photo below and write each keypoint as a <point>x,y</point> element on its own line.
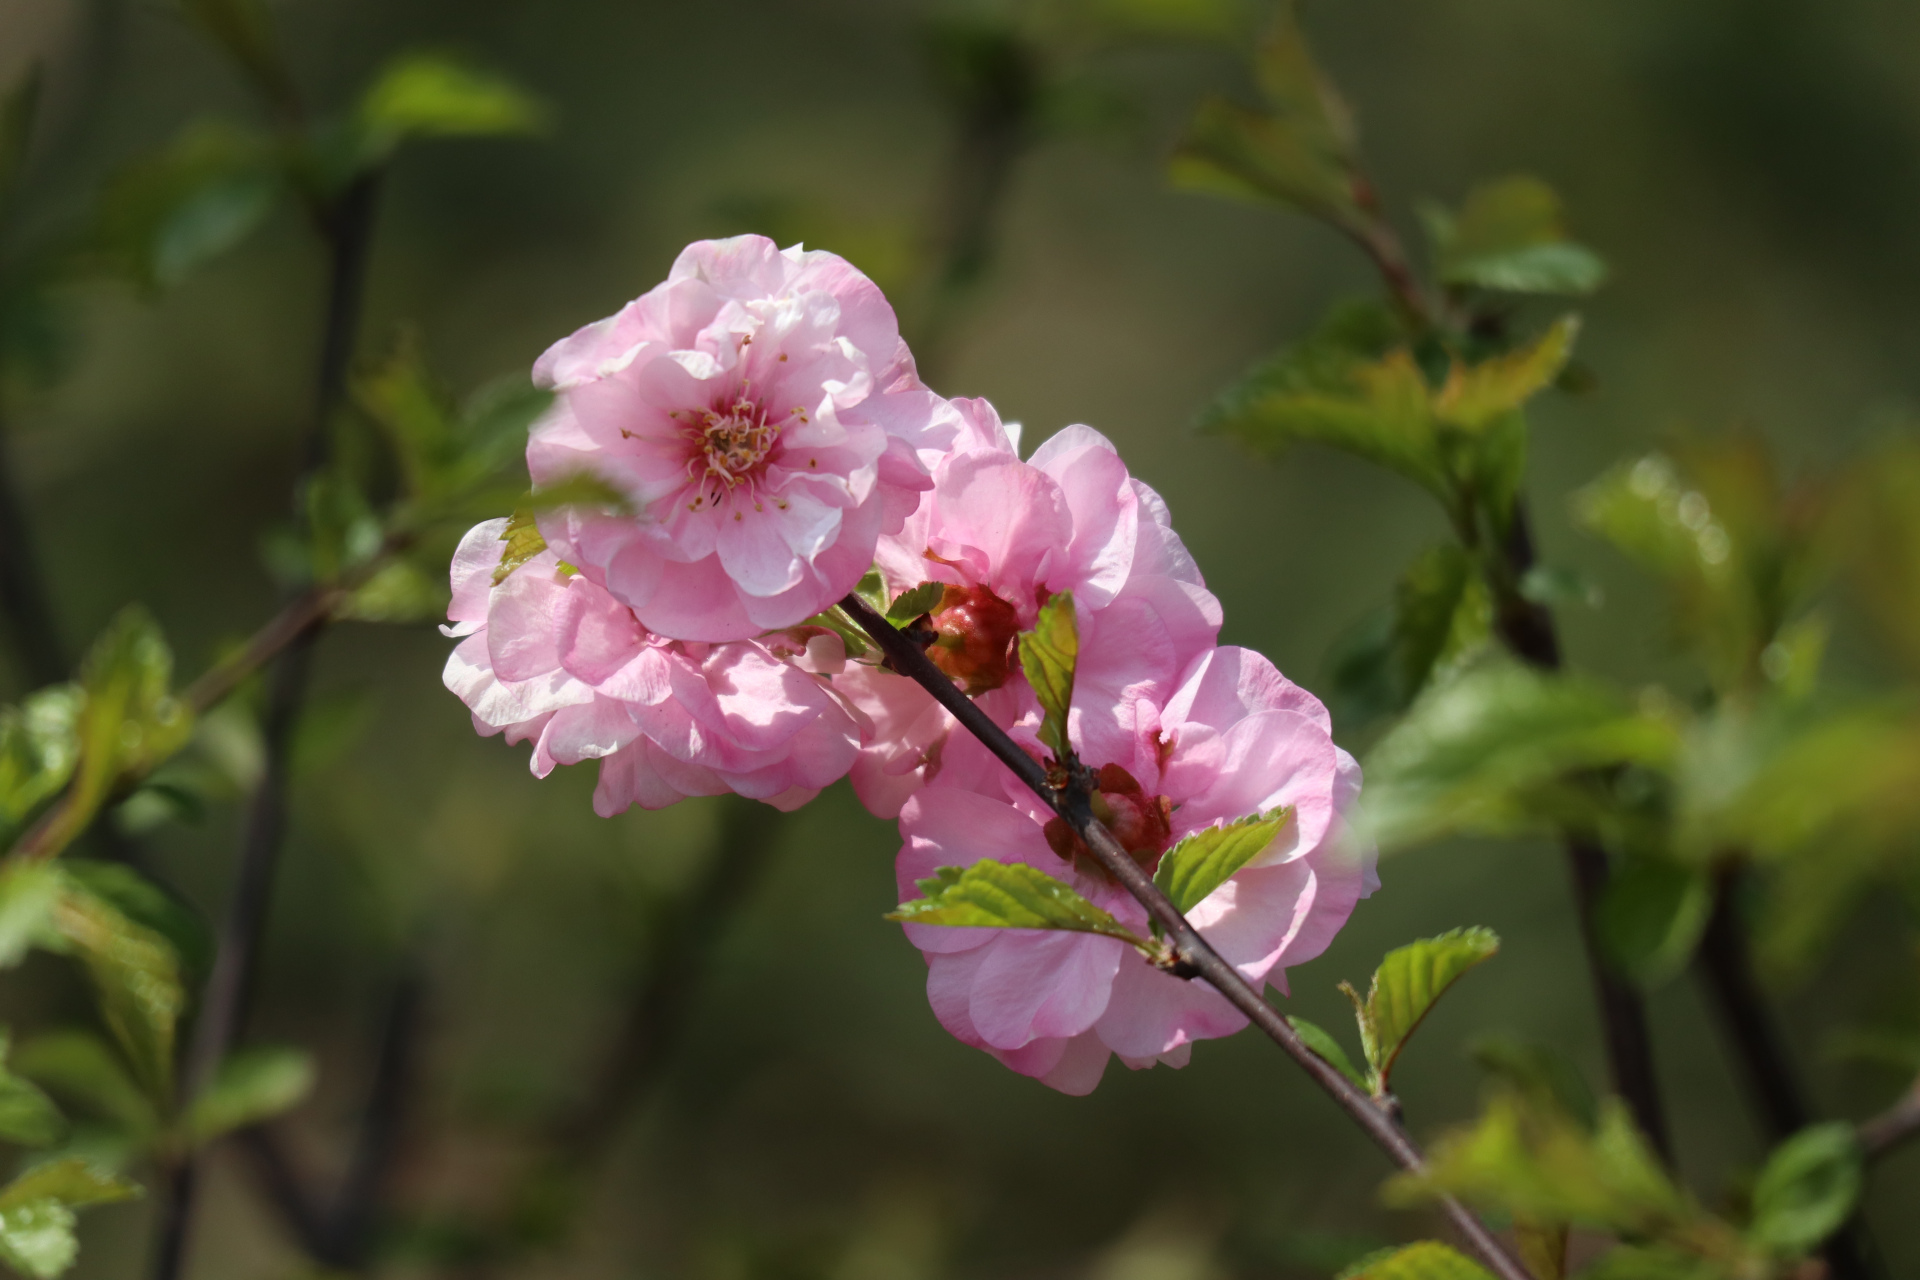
<point>348,229</point>
<point>1528,629</point>
<point>1195,957</point>
<point>1893,1126</point>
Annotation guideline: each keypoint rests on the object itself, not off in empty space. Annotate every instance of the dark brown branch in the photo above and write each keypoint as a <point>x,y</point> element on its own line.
<point>348,229</point>
<point>1191,950</point>
<point>1528,629</point>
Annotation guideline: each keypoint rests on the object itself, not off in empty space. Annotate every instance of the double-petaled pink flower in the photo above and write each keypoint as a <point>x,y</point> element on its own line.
<point>548,655</point>
<point>762,415</point>
<point>1234,738</point>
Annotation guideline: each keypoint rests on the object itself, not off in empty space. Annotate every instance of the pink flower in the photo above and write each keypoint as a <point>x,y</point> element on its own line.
<point>1003,535</point>
<point>1234,738</point>
<point>549,656</point>
<point>762,414</point>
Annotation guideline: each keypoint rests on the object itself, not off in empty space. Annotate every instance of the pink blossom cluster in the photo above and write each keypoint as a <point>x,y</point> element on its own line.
<point>762,417</point>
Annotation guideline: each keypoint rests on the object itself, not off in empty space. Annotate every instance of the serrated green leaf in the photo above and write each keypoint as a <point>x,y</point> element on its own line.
<point>1007,895</point>
<point>37,1238</point>
<point>1546,1078</point>
<point>74,1181</point>
<point>1651,916</point>
<point>251,1085</point>
<point>129,720</point>
<point>80,1068</point>
<point>430,95</point>
<point>858,644</point>
<point>522,536</point>
<point>1327,1049</point>
<point>915,601</point>
<point>1048,655</point>
<point>147,904</point>
<point>1510,235</point>
<point>1190,871</point>
<point>1502,750</point>
<point>1807,1189</point>
<point>1474,396</point>
<point>193,200</point>
<point>28,892</point>
<point>1426,1260</point>
<point>137,977</point>
<point>1350,387</point>
<point>1230,150</point>
<point>1406,986</point>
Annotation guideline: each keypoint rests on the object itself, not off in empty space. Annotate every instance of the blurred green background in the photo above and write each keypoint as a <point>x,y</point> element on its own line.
<point>1752,172</point>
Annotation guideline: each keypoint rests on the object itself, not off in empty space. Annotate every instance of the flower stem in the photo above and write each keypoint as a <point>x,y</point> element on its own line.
<point>1193,951</point>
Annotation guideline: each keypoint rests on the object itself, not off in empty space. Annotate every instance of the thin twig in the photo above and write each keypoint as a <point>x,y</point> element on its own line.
<point>348,231</point>
<point>1528,629</point>
<point>1192,951</point>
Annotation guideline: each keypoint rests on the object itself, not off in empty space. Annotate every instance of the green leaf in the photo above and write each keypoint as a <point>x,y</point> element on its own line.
<point>39,747</point>
<point>28,892</point>
<point>1007,895</point>
<point>1544,1076</point>
<point>915,601</point>
<point>1048,655</point>
<point>146,904</point>
<point>1505,749</point>
<point>1475,396</point>
<point>1651,916</point>
<point>199,196</point>
<point>1190,871</point>
<point>1327,1049</point>
<point>137,977</point>
<point>36,1213</point>
<point>1510,235</point>
<point>130,720</point>
<point>80,1068</point>
<point>1405,987</point>
<point>1351,386</point>
<point>858,644</point>
<point>431,95</point>
<point>1807,1189</point>
<point>17,112</point>
<point>1544,1166</point>
<point>1427,1260</point>
<point>27,1116</point>
<point>251,1086</point>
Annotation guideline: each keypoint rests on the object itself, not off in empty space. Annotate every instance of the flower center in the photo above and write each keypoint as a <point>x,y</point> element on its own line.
<point>733,441</point>
<point>1142,823</point>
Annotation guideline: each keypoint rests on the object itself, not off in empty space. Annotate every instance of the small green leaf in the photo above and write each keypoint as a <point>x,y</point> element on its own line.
<point>1405,987</point>
<point>147,904</point>
<point>1190,871</point>
<point>1427,1260</point>
<point>251,1086</point>
<point>522,536</point>
<point>1007,895</point>
<point>1048,656</point>
<point>582,489</point>
<point>28,892</point>
<point>1327,1049</point>
<point>1475,396</point>
<point>1510,235</point>
<point>399,591</point>
<point>1807,1189</point>
<point>858,644</point>
<point>80,1068</point>
<point>429,95</point>
<point>1651,916</point>
<point>129,721</point>
<point>192,201</point>
<point>27,1116</point>
<point>915,601</point>
<point>36,1213</point>
<point>137,977</point>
